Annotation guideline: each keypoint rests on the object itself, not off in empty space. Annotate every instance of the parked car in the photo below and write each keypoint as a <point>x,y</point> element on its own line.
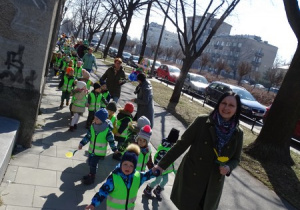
<point>245,82</point>
<point>259,86</point>
<point>274,90</point>
<point>94,42</point>
<point>125,56</point>
<point>296,133</point>
<point>195,83</point>
<point>112,52</point>
<point>250,106</point>
<point>168,73</point>
<point>133,60</point>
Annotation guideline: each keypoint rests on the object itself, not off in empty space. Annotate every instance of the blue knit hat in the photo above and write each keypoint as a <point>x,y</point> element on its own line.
<point>102,114</point>
<point>131,154</point>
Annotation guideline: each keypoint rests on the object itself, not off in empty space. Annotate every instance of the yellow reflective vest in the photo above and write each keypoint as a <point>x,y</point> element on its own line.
<point>95,101</point>
<point>98,144</point>
<point>122,197</point>
<point>142,161</point>
<point>171,167</point>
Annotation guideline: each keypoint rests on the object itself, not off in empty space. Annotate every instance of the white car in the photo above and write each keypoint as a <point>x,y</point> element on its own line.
<point>195,83</point>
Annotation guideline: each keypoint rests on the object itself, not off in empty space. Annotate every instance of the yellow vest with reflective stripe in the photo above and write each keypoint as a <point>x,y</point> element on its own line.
<point>79,102</point>
<point>142,161</point>
<point>121,197</point>
<point>68,84</point>
<point>124,134</point>
<point>88,84</point>
<point>78,72</point>
<point>104,95</point>
<point>95,102</point>
<point>98,144</point>
<point>171,167</point>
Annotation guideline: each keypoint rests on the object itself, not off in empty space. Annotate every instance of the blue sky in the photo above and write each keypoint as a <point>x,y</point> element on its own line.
<point>264,18</point>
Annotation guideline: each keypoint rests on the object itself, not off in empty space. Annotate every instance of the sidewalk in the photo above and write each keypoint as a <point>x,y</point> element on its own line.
<point>43,178</point>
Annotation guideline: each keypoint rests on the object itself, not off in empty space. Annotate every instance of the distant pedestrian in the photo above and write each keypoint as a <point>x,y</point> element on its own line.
<point>144,99</point>
<point>89,61</point>
<point>121,186</point>
<point>99,135</point>
<point>214,144</point>
<point>162,150</point>
<point>115,78</point>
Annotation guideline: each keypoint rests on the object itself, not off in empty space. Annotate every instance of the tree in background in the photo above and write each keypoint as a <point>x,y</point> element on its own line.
<point>177,54</point>
<point>273,143</point>
<point>189,33</point>
<point>274,76</point>
<point>221,65</point>
<point>168,52</point>
<point>243,69</point>
<point>204,61</point>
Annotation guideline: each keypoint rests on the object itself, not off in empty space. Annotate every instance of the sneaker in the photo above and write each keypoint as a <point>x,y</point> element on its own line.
<point>157,192</point>
<point>71,128</point>
<point>147,191</point>
<point>88,179</point>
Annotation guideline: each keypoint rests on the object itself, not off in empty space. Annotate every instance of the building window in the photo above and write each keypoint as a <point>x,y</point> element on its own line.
<point>234,44</point>
<point>223,43</point>
<point>239,45</point>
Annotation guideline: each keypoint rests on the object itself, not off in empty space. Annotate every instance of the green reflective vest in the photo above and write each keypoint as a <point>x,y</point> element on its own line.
<point>125,133</point>
<point>88,84</point>
<point>98,144</point>
<point>121,197</point>
<point>68,84</point>
<point>103,105</point>
<point>142,161</point>
<point>95,101</point>
<point>78,72</point>
<point>57,63</point>
<point>113,119</point>
<point>171,167</point>
<point>79,102</point>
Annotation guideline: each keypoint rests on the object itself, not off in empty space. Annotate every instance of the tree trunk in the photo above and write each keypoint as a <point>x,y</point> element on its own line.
<point>101,38</point>
<point>146,27</point>
<point>186,65</point>
<point>113,34</point>
<point>273,142</point>
<point>125,32</point>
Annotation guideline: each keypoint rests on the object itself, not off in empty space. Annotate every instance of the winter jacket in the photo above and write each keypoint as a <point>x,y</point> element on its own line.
<point>112,80</point>
<point>198,176</point>
<point>144,101</point>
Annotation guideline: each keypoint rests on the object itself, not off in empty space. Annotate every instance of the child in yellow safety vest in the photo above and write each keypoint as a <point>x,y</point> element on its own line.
<point>162,180</point>
<point>112,108</point>
<point>105,94</point>
<point>124,117</point>
<point>93,104</point>
<point>78,103</point>
<point>122,185</point>
<point>67,85</point>
<point>99,135</point>
<point>145,157</point>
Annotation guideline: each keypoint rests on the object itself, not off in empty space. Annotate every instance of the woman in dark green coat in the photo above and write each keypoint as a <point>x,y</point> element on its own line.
<point>215,144</point>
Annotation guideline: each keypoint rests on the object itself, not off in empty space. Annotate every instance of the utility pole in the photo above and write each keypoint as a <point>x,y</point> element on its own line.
<point>159,40</point>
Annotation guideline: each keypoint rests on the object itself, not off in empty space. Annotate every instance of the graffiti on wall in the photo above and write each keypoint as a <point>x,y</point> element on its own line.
<point>15,66</point>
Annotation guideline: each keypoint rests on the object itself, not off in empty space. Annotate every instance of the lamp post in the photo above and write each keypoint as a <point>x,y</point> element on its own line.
<point>159,40</point>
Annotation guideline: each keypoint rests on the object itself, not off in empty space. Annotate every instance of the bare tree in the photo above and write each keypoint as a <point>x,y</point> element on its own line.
<point>243,69</point>
<point>124,10</point>
<point>274,76</point>
<point>204,60</point>
<point>168,52</point>
<point>273,142</point>
<point>177,54</point>
<point>221,65</point>
<point>193,30</point>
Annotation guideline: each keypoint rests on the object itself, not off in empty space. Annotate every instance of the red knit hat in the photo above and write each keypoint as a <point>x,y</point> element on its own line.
<point>129,107</point>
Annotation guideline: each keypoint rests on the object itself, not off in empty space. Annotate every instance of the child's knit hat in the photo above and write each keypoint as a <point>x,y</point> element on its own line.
<point>129,107</point>
<point>80,84</point>
<point>96,86</point>
<point>131,154</point>
<point>112,106</point>
<point>102,114</point>
<point>173,135</point>
<point>145,133</point>
<point>142,121</point>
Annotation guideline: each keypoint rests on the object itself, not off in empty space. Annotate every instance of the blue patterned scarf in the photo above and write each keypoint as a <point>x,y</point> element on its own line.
<point>224,130</point>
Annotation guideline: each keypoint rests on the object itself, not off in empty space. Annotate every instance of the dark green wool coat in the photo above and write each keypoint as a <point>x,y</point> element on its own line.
<point>198,178</point>
<point>112,80</point>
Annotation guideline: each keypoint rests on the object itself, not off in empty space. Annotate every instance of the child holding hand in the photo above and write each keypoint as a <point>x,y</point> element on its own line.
<point>122,185</point>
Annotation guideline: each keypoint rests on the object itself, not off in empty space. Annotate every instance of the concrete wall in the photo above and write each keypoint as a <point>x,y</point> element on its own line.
<point>26,34</point>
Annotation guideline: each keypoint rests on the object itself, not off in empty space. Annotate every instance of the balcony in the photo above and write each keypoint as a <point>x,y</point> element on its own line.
<point>259,54</point>
<point>256,63</point>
